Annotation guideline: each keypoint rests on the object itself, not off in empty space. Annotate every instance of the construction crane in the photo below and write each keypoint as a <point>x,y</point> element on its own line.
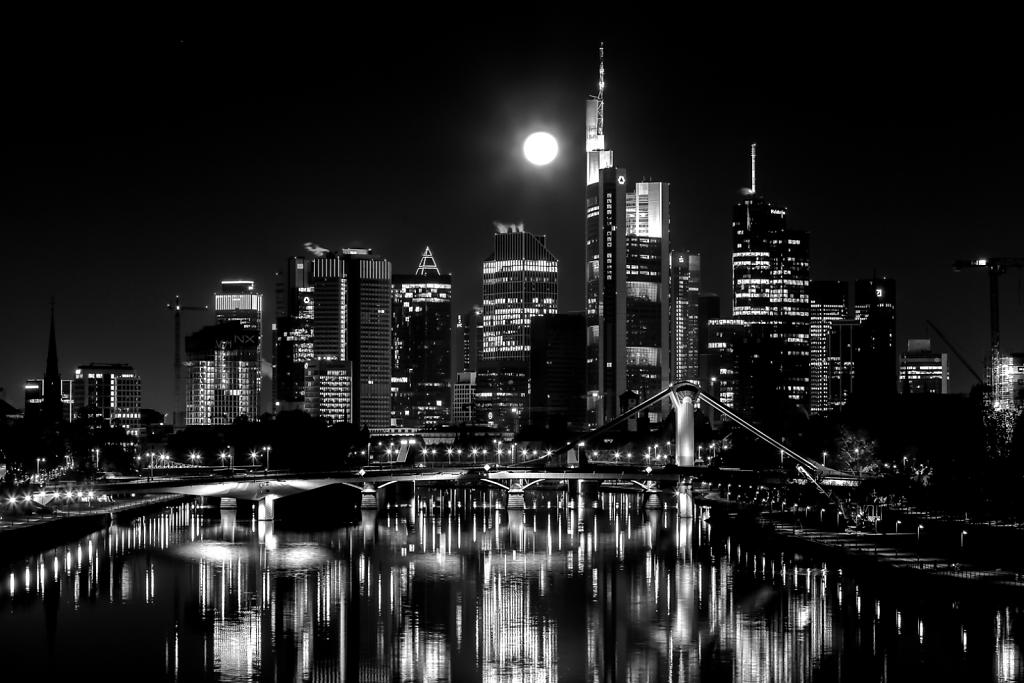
<point>995,267</point>
<point>959,355</point>
<point>178,415</point>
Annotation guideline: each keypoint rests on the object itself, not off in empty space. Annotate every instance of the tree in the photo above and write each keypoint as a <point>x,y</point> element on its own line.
<point>855,452</point>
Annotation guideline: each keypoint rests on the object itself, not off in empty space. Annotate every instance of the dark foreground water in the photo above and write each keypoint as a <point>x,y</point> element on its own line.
<point>473,593</point>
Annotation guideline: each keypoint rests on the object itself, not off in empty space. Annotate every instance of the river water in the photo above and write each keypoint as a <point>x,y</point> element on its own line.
<point>447,587</point>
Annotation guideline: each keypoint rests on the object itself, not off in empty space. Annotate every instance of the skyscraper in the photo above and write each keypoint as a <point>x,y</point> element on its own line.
<point>223,380</point>
<point>520,282</point>
<point>626,277</point>
<point>352,322</point>
<point>771,275</point>
<point>238,301</point>
<point>421,312</point>
<point>830,303</point>
<point>685,298</point>
<point>293,335</point>
<point>648,354</point>
<point>841,368</point>
<point>922,371</point>
<point>874,302</point>
<point>111,392</point>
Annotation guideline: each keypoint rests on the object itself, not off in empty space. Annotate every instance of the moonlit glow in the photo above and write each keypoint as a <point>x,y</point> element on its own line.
<point>540,148</point>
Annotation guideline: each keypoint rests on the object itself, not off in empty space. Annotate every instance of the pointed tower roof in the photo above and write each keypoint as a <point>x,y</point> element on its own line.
<point>428,266</point>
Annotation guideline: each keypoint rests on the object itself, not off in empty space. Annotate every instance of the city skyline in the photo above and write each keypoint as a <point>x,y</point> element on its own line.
<point>194,185</point>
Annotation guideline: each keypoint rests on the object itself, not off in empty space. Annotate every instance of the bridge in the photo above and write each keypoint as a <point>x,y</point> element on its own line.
<point>565,464</point>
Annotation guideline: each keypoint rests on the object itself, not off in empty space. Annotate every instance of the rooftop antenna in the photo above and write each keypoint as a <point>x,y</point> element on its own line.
<point>600,92</point>
<point>753,168</point>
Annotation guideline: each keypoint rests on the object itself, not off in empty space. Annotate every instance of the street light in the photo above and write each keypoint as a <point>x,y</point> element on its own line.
<point>962,534</point>
<point>38,460</point>
<point>266,460</point>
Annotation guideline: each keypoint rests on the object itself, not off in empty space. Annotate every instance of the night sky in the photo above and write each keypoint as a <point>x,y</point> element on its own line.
<point>139,167</point>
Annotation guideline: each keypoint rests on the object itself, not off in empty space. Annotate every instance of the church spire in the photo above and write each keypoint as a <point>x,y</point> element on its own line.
<point>51,378</point>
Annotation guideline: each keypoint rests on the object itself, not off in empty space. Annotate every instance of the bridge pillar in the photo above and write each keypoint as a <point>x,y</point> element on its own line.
<point>516,499</point>
<point>228,504</point>
<point>684,493</point>
<point>369,497</point>
<point>265,511</point>
<point>653,501</point>
<point>682,401</point>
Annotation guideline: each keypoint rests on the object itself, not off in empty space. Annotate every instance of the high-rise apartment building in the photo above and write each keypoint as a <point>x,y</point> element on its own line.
<point>771,276</point>
<point>352,322</point>
<point>922,371</point>
<point>421,311</point>
<point>830,303</point>
<point>223,374</point>
<point>111,392</point>
<point>685,316</point>
<point>520,282</point>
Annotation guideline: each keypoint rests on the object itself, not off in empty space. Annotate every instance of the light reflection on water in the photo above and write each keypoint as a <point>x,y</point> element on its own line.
<point>447,589</point>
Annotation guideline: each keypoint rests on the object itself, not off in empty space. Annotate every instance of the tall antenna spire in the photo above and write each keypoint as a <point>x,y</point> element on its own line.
<point>753,168</point>
<point>600,92</point>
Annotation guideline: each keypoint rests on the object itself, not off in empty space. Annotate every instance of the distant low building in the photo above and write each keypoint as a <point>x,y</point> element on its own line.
<point>111,392</point>
<point>922,371</point>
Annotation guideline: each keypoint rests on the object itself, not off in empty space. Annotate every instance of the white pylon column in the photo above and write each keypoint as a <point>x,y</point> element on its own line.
<point>682,401</point>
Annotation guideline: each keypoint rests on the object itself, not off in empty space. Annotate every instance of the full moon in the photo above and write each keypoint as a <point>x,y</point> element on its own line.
<point>540,148</point>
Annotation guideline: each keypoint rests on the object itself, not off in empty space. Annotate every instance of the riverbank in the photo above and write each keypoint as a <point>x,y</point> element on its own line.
<point>23,535</point>
<point>900,557</point>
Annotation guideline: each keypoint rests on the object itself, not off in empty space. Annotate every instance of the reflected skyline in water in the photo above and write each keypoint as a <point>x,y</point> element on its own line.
<point>449,588</point>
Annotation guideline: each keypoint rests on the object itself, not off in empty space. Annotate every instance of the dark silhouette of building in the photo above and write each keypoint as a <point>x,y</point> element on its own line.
<point>292,334</point>
<point>923,371</point>
<point>469,339</point>
<point>557,387</point>
<point>874,302</point>
<point>421,312</point>
<point>52,410</point>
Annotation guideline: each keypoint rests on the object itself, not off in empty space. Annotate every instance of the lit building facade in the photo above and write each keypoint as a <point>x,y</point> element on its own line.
<point>685,318</point>
<point>922,371</point>
<point>464,398</point>
<point>1009,389</point>
<point>648,352</point>
<point>328,392</point>
<point>725,335</point>
<point>520,282</point>
<point>771,278</point>
<point>223,374</point>
<point>111,392</point>
<point>830,302</point>
<point>352,322</point>
<point>421,313</point>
